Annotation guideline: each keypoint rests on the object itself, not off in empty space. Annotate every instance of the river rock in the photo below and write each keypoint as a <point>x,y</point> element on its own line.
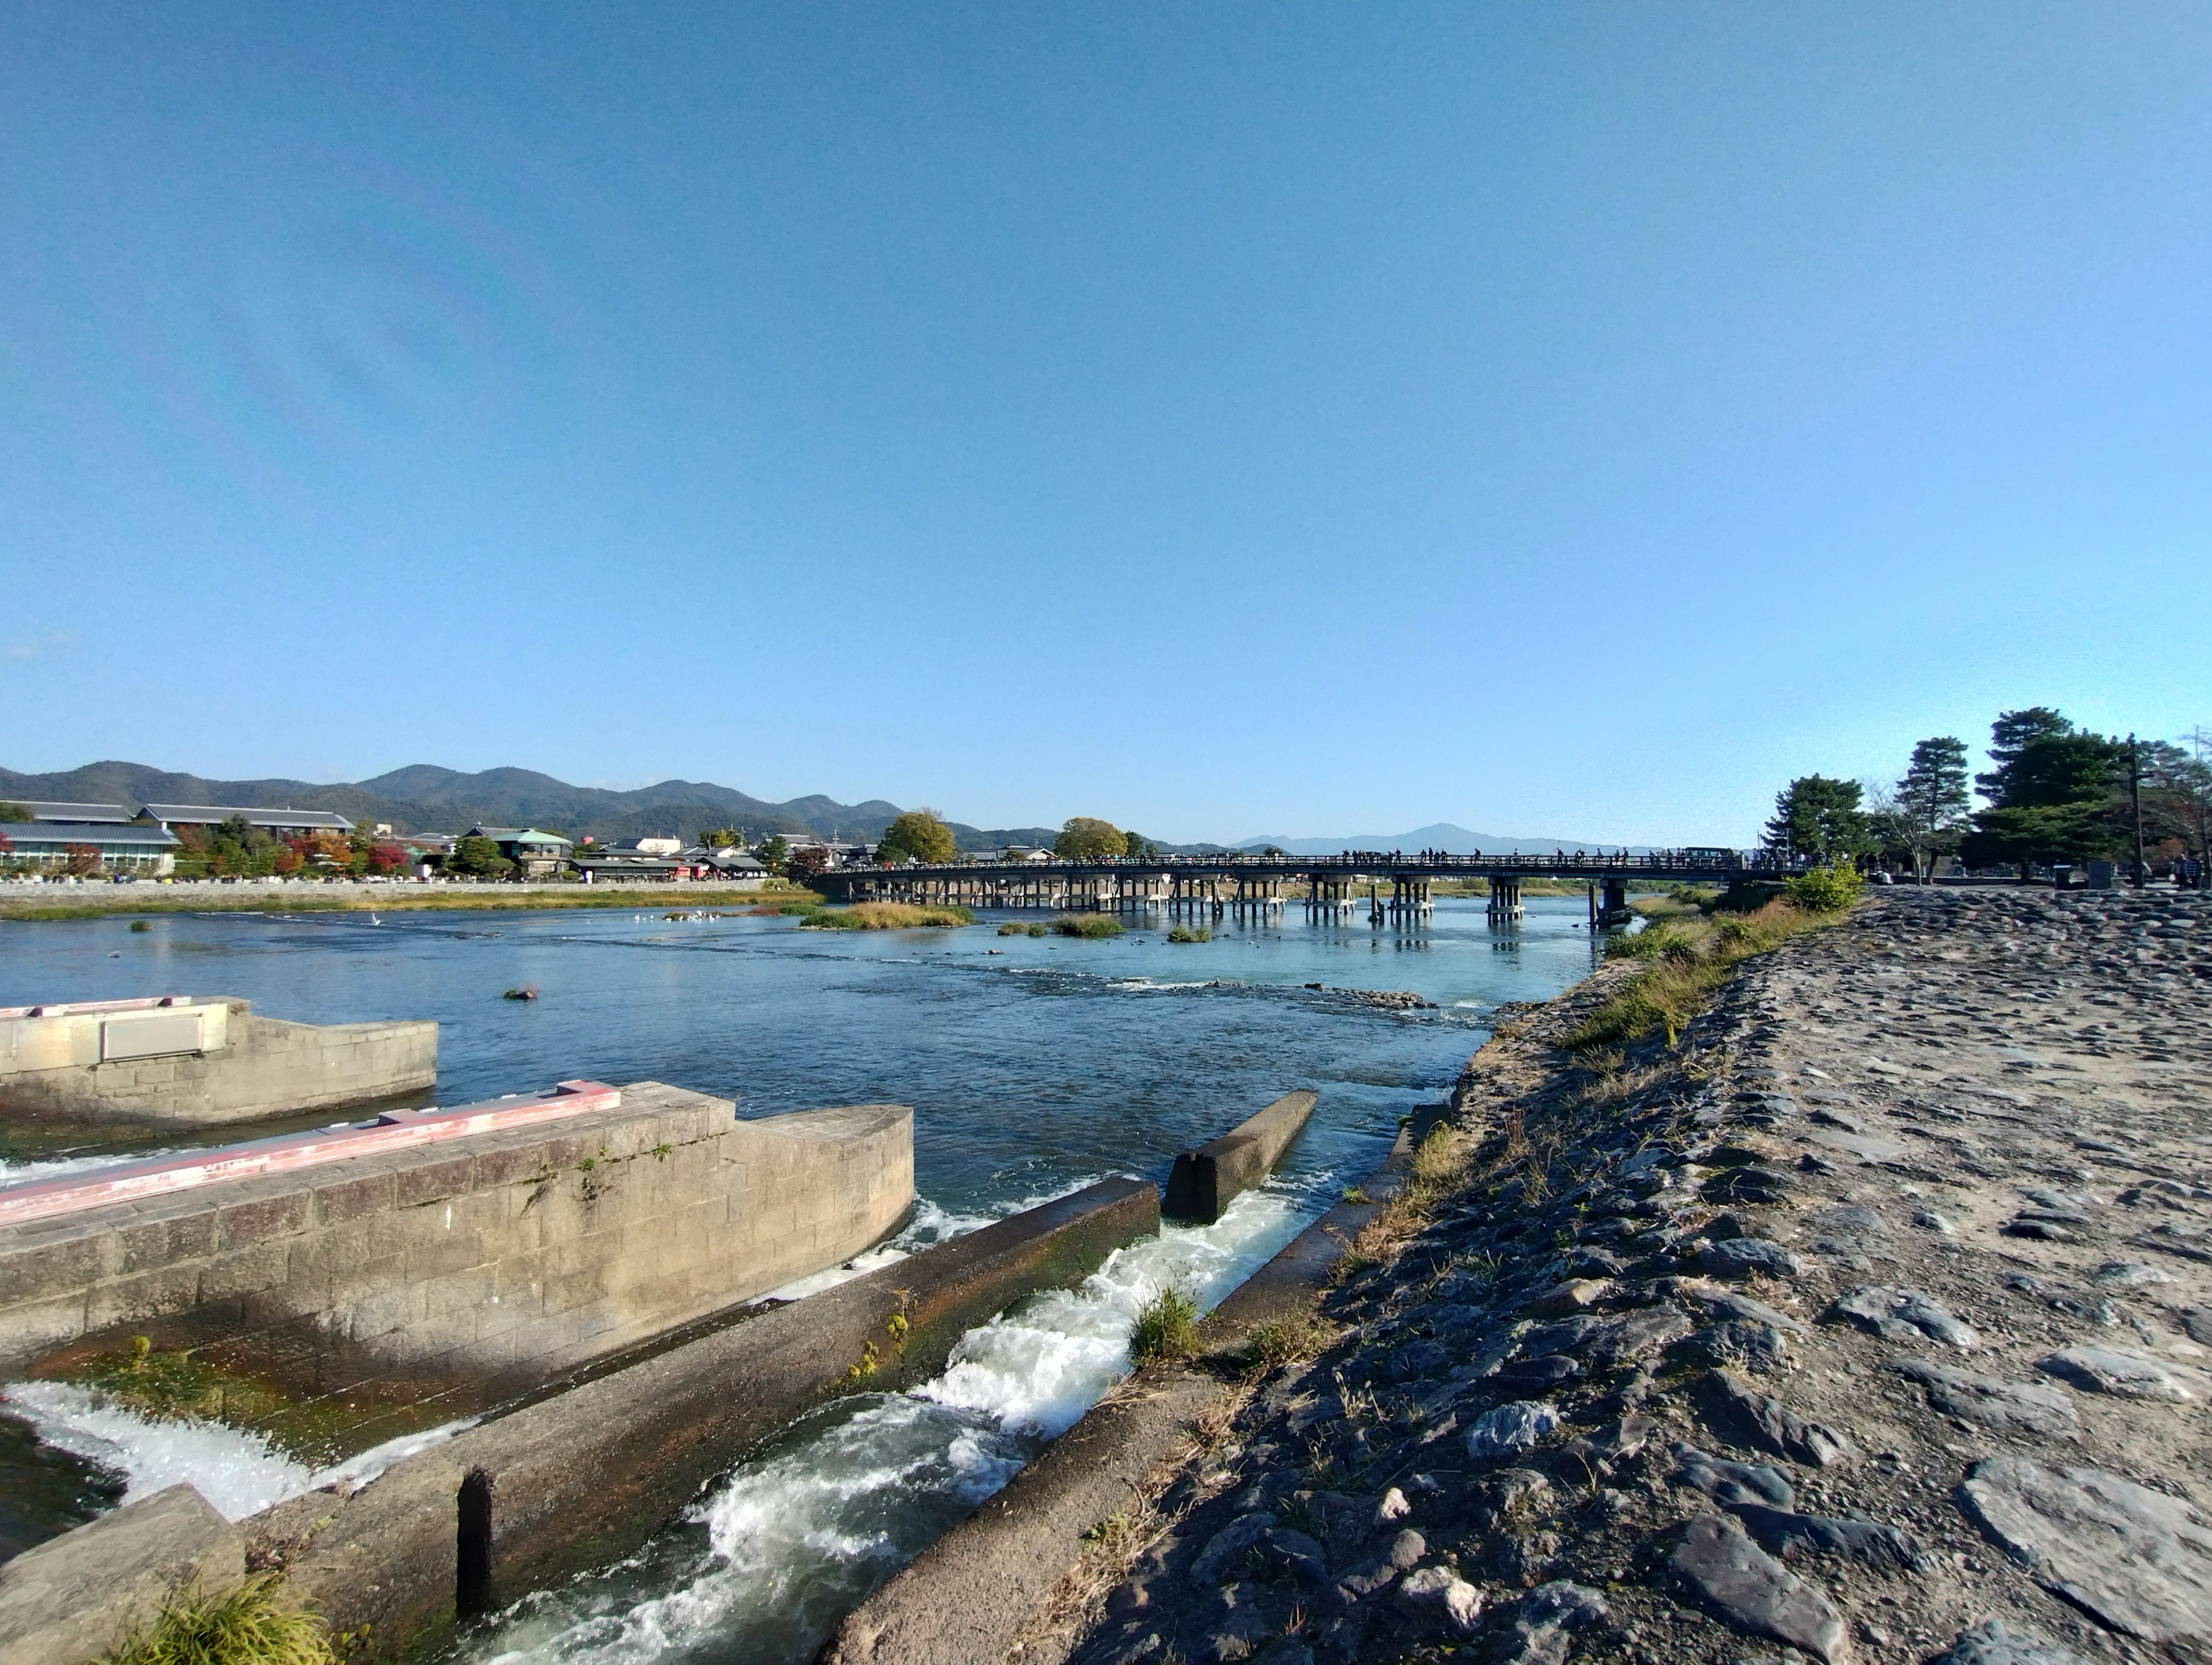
<point>1401,1553</point>
<point>1900,1314</point>
<point>1746,1345</point>
<point>1785,1533</point>
<point>2137,1560</point>
<point>1759,1420</point>
<point>1724,1304</point>
<point>2125,1375</point>
<point>1991,1403</point>
<point>1575,1294</point>
<point>1756,1183</point>
<point>1224,1548</point>
<point>1545,1620</point>
<point>1991,1642</point>
<point>1439,1591</point>
<point>1535,1375</point>
<point>1728,1484</point>
<point>1634,1335</point>
<point>1745,1257</point>
<point>2127,1274</point>
<point>1418,1358</point>
<point>1853,1234</point>
<point>1513,1426</point>
<point>1745,1587</point>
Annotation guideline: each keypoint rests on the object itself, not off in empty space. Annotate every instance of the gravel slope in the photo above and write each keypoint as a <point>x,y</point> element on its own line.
<point>1874,1323</point>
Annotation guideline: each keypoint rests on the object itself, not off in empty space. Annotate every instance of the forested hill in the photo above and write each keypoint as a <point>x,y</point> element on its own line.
<point>423,798</point>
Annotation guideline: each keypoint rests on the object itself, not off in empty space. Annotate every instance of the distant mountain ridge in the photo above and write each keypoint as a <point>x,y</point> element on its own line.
<point>1438,835</point>
<point>423,798</point>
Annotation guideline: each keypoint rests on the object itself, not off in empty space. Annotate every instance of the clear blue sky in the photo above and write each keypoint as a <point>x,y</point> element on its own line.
<point>1220,418</point>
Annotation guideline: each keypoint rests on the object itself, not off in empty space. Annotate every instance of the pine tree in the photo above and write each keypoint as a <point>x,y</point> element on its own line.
<point>1932,800</point>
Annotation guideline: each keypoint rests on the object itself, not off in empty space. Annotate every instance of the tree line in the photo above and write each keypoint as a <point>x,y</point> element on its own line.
<point>2054,794</point>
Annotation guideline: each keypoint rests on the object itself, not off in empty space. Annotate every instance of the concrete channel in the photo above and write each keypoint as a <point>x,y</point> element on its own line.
<point>965,1599</point>
<point>1205,1181</point>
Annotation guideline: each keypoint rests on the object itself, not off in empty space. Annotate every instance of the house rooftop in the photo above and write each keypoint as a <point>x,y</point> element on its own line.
<point>34,836</point>
<point>209,815</point>
<point>80,814</point>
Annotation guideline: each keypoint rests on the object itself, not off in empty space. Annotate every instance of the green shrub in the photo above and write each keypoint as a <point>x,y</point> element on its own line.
<point>249,1626</point>
<point>885,916</point>
<point>1013,928</point>
<point>1655,942</point>
<point>1087,925</point>
<point>1824,890</point>
<point>1166,1328</point>
<point>1190,934</point>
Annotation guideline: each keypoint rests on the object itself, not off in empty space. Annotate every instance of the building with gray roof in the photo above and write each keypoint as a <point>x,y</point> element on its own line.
<point>135,847</point>
<point>274,821</point>
<point>78,814</point>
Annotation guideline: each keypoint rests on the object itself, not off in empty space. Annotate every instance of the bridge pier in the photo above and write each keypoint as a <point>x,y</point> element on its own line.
<point>1616,910</point>
<point>1505,905</point>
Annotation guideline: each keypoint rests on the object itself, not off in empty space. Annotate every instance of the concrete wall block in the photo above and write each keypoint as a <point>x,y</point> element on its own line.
<point>514,1165</point>
<point>29,1328</point>
<point>152,1294</point>
<point>371,1317</point>
<point>37,1270</point>
<point>352,1197</point>
<point>234,1274</point>
<point>438,1254</point>
<point>433,1181</point>
<point>258,1219</point>
<point>451,1302</point>
<point>521,1281</point>
<point>159,1240</point>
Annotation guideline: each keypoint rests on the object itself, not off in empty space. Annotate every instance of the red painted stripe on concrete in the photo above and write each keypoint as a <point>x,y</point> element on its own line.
<point>395,1130</point>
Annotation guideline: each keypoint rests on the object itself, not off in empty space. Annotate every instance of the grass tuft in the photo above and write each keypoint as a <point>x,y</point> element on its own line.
<point>1190,934</point>
<point>1286,1340</point>
<point>251,1625</point>
<point>1166,1328</point>
<point>1086,925</point>
<point>1685,961</point>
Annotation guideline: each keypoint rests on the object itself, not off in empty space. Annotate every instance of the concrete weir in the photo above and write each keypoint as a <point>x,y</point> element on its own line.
<point>504,1242</point>
<point>578,1478</point>
<point>582,1477</point>
<point>1206,1181</point>
<point>185,1061</point>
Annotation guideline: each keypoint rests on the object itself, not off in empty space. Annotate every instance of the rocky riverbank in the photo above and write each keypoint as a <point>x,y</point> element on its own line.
<point>1872,1321</point>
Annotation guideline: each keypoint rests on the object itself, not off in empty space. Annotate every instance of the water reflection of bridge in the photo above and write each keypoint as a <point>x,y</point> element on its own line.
<point>1392,884</point>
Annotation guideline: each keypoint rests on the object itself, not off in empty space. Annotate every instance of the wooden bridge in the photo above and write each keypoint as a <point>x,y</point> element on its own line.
<point>1391,883</point>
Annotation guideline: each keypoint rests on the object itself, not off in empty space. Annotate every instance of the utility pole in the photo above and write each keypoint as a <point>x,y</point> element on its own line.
<point>2135,797</point>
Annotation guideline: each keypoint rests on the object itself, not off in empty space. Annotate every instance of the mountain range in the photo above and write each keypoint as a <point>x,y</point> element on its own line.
<point>423,798</point>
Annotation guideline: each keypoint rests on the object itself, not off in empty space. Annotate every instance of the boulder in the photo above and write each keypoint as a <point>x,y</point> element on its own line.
<point>1989,1402</point>
<point>1745,1257</point>
<point>1900,1314</point>
<point>2125,1375</point>
<point>1744,1586</point>
<point>2137,1560</point>
<point>1513,1426</point>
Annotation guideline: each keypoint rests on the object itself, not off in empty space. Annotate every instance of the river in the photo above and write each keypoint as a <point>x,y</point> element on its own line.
<point>1034,1066</point>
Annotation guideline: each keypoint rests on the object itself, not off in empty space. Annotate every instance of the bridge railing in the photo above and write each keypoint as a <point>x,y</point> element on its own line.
<point>1578,863</point>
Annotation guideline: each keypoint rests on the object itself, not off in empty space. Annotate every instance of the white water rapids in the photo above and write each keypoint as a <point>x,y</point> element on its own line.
<point>239,1471</point>
<point>769,1559</point>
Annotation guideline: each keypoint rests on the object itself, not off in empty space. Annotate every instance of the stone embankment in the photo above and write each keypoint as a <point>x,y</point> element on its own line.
<point>1874,1322</point>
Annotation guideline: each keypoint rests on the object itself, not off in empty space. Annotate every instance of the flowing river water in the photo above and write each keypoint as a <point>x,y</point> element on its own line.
<point>1034,1066</point>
